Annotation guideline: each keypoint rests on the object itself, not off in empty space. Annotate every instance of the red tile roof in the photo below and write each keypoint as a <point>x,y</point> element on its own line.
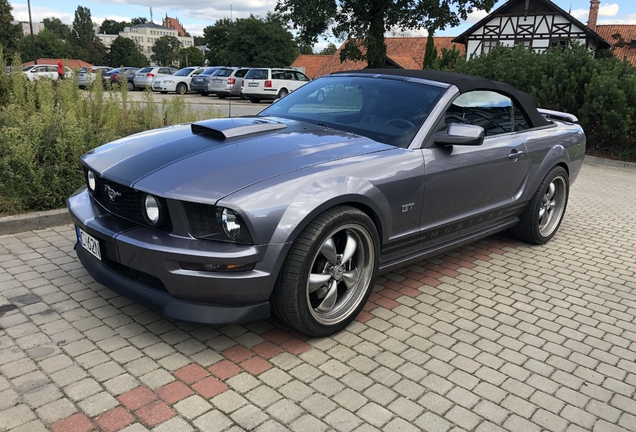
<point>406,52</point>
<point>627,32</point>
<point>68,63</point>
<point>174,24</point>
<point>311,62</point>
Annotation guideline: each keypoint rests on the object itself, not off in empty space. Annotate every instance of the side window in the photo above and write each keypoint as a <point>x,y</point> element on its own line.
<point>240,73</point>
<point>278,74</point>
<point>496,113</point>
<point>164,71</point>
<point>301,76</point>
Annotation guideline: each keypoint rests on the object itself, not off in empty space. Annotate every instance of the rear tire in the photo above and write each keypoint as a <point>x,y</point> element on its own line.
<point>282,93</point>
<point>320,96</point>
<point>221,96</point>
<point>130,86</point>
<point>255,100</point>
<point>329,272</point>
<point>164,92</point>
<point>542,218</point>
<point>204,93</point>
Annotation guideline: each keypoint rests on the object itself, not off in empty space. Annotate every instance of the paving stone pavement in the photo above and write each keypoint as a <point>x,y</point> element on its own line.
<point>494,336</point>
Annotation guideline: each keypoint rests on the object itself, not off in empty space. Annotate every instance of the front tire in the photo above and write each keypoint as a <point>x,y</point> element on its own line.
<point>329,272</point>
<point>541,220</point>
<point>255,100</point>
<point>182,88</point>
<point>130,86</point>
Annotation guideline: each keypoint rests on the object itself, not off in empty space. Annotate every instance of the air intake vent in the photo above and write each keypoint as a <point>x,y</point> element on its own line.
<point>234,127</point>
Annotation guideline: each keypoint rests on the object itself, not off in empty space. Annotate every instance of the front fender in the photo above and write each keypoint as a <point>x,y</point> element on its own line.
<point>329,192</point>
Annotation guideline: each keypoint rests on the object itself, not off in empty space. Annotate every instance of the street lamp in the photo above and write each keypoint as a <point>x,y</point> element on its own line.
<point>35,54</point>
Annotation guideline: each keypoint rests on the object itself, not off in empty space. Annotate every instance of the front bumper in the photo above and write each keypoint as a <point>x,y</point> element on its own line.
<point>143,264</point>
<point>164,87</point>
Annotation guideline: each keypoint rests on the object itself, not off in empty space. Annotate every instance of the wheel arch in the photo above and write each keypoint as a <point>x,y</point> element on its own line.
<point>556,156</point>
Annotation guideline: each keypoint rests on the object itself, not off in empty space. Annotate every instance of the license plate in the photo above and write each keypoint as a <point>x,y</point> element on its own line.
<point>253,85</point>
<point>89,243</point>
<point>218,81</point>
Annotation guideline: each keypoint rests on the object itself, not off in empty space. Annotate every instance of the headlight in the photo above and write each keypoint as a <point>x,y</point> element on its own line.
<point>168,82</point>
<point>152,210</point>
<point>215,223</point>
<point>90,180</point>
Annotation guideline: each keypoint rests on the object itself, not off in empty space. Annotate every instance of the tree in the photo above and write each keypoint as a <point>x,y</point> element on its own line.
<point>10,34</point>
<point>364,22</point>
<point>83,25</point>
<point>329,49</point>
<point>113,27</point>
<point>166,51</point>
<point>251,41</point>
<point>47,45</point>
<point>97,52</point>
<point>216,37</point>
<point>305,48</point>
<point>139,21</point>
<point>447,60</point>
<point>191,56</point>
<point>57,27</point>
<point>430,53</point>
<point>126,52</point>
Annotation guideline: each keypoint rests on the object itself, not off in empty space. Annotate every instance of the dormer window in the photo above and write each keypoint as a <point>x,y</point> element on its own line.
<point>632,44</point>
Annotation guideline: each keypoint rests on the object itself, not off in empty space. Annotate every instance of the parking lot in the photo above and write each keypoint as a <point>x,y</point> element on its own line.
<point>498,335</point>
<point>230,106</point>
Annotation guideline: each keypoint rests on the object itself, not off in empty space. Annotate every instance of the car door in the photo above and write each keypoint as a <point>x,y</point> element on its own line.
<point>470,187</point>
<point>300,79</point>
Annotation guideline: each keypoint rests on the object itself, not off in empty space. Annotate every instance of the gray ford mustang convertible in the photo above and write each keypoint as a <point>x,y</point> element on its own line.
<point>297,209</point>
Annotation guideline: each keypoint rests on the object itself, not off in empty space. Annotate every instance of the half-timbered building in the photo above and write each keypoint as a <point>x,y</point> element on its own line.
<point>535,24</point>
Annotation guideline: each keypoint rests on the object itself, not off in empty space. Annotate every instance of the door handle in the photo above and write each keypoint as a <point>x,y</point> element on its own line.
<point>515,155</point>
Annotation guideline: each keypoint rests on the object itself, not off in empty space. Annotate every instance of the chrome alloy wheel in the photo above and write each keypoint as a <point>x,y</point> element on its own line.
<point>340,274</point>
<point>552,207</point>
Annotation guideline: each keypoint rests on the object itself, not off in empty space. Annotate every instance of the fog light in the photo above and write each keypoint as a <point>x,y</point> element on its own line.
<point>151,206</point>
<point>90,177</point>
<point>206,267</point>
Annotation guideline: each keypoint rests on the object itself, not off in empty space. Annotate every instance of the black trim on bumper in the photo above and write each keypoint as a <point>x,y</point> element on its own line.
<point>164,303</point>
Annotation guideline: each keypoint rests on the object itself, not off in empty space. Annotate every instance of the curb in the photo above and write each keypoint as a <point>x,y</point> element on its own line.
<point>34,221</point>
<point>609,162</point>
<point>51,218</point>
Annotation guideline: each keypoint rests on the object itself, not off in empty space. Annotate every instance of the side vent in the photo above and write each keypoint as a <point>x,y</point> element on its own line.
<point>234,127</point>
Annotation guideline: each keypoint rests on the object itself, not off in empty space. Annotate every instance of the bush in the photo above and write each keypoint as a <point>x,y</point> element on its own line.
<point>47,125</point>
<point>600,92</point>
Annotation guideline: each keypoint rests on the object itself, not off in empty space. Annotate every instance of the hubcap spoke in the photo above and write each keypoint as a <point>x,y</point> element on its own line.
<point>350,278</point>
<point>330,299</point>
<point>550,192</point>
<point>350,248</point>
<point>316,280</point>
<point>328,249</point>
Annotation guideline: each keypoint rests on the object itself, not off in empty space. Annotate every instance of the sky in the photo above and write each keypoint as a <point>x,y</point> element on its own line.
<point>195,15</point>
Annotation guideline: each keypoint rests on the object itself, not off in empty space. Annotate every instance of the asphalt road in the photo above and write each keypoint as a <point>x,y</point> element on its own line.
<point>231,106</point>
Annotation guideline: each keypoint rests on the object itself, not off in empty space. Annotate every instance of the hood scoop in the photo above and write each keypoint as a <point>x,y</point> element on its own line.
<point>234,127</point>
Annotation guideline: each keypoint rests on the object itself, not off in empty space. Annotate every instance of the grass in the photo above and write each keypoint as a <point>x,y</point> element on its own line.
<point>45,126</point>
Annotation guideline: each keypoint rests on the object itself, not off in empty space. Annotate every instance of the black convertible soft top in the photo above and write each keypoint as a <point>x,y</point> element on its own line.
<point>466,83</point>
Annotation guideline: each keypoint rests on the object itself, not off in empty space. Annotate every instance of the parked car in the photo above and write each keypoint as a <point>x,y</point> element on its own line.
<point>44,71</point>
<point>199,83</point>
<point>179,82</point>
<point>145,76</point>
<point>115,77</point>
<point>86,75</point>
<point>264,83</point>
<point>297,209</point>
<point>227,82</point>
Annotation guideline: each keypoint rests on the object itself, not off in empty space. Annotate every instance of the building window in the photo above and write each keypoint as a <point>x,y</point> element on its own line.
<point>526,43</point>
<point>488,45</point>
<point>558,43</point>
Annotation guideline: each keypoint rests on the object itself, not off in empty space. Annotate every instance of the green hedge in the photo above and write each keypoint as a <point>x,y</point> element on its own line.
<point>45,126</point>
<point>600,92</point>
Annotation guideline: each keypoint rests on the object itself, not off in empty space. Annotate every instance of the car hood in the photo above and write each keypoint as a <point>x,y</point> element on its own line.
<point>209,160</point>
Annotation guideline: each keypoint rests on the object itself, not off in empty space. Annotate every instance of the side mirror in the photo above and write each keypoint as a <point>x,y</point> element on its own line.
<point>460,134</point>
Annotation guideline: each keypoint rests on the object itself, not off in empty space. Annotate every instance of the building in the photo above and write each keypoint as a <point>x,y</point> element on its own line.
<point>401,53</point>
<point>26,29</point>
<point>72,63</point>
<point>174,24</point>
<point>146,35</point>
<point>535,24</point>
<point>310,64</point>
<point>623,40</point>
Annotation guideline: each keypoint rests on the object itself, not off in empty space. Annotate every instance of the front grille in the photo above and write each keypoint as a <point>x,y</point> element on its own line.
<point>136,275</point>
<point>125,202</point>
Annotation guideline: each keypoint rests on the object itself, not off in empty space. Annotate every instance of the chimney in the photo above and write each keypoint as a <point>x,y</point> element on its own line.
<point>593,17</point>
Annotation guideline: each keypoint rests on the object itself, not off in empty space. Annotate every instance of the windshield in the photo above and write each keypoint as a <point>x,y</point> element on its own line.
<point>385,110</point>
<point>223,72</point>
<point>257,74</point>
<point>184,72</point>
<point>209,71</point>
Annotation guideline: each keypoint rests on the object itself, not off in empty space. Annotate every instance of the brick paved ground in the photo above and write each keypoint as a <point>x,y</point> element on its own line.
<point>495,336</point>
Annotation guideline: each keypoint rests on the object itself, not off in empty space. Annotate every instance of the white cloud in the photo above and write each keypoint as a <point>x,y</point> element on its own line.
<point>476,16</point>
<point>608,10</point>
<point>621,19</point>
<point>38,13</point>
